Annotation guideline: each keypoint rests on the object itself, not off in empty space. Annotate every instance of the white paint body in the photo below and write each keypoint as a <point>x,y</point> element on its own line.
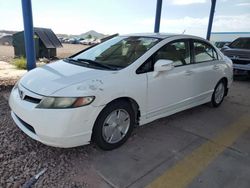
<point>157,96</point>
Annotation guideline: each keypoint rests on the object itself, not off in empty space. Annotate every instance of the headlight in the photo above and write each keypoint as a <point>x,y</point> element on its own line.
<point>65,102</point>
<point>16,85</point>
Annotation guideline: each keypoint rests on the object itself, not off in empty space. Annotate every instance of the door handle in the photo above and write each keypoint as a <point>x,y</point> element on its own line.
<point>189,72</point>
<point>216,67</point>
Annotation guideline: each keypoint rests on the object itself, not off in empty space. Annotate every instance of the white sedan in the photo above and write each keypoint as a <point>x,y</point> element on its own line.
<point>100,94</point>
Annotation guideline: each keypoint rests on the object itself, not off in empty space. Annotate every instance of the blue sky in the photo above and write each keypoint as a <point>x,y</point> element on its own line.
<point>128,16</point>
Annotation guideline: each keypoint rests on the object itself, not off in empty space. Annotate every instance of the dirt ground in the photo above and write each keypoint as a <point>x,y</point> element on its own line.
<point>7,52</point>
<point>69,49</point>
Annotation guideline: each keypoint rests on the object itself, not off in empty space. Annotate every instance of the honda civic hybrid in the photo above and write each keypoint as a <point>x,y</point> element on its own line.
<point>101,93</point>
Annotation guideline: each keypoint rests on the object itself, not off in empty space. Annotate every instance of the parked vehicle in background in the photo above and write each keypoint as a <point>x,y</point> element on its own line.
<point>96,41</point>
<point>221,44</point>
<point>73,41</point>
<point>227,36</point>
<point>87,41</point>
<point>6,39</point>
<point>239,52</point>
<point>101,93</point>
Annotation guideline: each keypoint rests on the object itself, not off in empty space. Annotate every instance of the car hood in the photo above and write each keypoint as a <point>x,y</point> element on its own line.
<point>234,52</point>
<point>48,79</point>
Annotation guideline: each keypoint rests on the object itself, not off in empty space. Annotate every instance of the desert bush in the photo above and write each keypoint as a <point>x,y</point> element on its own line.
<point>20,63</point>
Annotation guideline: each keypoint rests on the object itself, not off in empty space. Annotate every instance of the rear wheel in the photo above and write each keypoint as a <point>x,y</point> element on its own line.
<point>219,94</point>
<point>114,125</point>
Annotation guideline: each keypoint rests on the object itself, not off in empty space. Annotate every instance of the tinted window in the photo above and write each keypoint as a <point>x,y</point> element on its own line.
<point>204,52</point>
<point>177,51</point>
<point>242,43</point>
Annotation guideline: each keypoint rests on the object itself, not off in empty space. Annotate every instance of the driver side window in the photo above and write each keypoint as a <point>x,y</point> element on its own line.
<point>177,51</point>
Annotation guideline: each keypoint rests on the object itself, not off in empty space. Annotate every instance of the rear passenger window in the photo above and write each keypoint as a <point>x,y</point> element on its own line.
<point>204,52</point>
<point>177,51</point>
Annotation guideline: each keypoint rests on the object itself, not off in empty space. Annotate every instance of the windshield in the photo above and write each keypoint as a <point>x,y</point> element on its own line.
<point>242,43</point>
<point>118,52</point>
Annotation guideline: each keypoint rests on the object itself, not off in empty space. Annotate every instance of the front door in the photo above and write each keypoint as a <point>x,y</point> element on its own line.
<point>170,90</point>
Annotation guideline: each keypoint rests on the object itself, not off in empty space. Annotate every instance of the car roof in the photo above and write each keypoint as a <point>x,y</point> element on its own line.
<point>159,35</point>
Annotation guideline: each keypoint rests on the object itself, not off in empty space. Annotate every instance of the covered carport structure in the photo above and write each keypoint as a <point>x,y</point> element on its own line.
<point>29,31</point>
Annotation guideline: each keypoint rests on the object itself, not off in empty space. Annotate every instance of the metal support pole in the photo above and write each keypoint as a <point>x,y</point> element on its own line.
<point>211,17</point>
<point>158,16</point>
<point>29,34</point>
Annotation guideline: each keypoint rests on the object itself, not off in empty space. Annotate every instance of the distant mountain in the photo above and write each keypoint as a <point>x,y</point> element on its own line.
<point>93,34</point>
<point>7,32</point>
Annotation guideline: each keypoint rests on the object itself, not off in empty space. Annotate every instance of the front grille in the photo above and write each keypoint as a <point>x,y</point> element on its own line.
<point>238,54</point>
<point>241,56</point>
<point>237,61</point>
<point>26,96</point>
<point>29,127</point>
<point>31,99</point>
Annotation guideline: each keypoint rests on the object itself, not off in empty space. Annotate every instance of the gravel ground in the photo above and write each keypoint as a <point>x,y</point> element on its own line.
<point>21,157</point>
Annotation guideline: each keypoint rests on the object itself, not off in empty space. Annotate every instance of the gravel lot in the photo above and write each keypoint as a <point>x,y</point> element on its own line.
<point>22,157</point>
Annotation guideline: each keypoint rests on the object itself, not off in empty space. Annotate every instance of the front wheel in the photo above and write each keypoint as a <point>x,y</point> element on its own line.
<point>219,94</point>
<point>114,125</point>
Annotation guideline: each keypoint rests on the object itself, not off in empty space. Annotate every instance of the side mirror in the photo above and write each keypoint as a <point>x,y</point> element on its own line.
<point>225,47</point>
<point>163,65</point>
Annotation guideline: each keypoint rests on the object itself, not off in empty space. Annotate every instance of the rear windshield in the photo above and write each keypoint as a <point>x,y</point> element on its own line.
<point>241,43</point>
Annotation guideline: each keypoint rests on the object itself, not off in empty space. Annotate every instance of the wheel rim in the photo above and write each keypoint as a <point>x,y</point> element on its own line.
<point>116,126</point>
<point>219,93</point>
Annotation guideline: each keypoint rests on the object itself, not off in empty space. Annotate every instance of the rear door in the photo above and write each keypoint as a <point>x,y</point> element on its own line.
<point>207,68</point>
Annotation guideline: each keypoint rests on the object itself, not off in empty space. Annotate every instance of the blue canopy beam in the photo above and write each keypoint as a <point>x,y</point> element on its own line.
<point>211,18</point>
<point>158,16</point>
<point>29,34</point>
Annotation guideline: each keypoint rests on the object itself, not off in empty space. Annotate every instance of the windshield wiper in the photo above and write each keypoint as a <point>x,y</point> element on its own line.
<point>89,62</point>
<point>71,60</point>
<point>96,63</point>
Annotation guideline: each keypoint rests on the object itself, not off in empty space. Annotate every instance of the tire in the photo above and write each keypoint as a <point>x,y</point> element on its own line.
<point>218,94</point>
<point>116,120</point>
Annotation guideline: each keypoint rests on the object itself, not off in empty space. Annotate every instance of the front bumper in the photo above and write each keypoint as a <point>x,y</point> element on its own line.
<point>241,69</point>
<point>242,66</point>
<point>54,127</point>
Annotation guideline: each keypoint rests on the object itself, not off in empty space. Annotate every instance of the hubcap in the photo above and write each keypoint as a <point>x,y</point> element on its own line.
<point>116,126</point>
<point>219,93</point>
